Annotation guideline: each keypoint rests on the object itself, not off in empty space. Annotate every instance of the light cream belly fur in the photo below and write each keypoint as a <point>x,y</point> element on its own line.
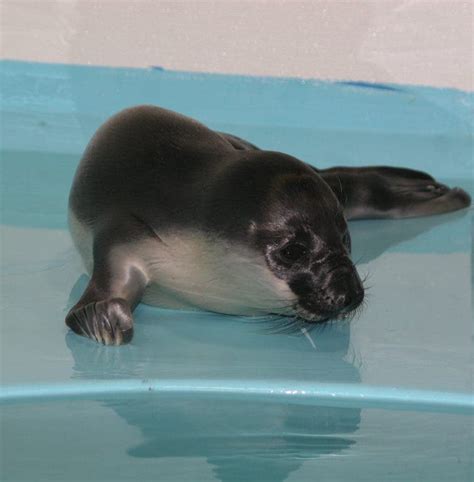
<point>189,270</point>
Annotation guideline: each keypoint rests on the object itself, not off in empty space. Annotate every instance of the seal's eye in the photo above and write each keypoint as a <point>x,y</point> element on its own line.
<point>292,252</point>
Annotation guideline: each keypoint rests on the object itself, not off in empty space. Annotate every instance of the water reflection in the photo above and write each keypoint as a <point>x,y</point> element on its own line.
<point>371,238</point>
<point>242,439</point>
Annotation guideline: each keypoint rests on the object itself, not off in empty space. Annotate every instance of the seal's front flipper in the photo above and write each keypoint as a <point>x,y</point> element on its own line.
<point>104,311</point>
<point>390,192</point>
<point>107,321</point>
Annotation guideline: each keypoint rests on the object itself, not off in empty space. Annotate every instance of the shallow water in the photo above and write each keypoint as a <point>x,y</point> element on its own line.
<point>200,396</point>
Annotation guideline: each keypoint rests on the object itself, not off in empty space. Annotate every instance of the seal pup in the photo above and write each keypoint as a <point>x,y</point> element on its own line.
<point>169,212</point>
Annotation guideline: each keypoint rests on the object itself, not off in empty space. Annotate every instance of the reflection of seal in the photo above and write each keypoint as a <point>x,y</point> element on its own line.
<point>163,208</point>
<point>241,438</point>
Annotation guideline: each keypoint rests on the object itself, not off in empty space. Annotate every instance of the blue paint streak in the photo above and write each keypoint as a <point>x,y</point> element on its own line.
<point>370,85</point>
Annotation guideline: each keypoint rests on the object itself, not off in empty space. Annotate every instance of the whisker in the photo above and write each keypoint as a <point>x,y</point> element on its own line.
<point>308,336</point>
<point>359,259</point>
<point>285,325</point>
<point>265,318</point>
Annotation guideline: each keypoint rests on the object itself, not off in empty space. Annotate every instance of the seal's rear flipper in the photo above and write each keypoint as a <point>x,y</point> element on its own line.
<point>104,311</point>
<point>382,191</point>
<point>390,192</point>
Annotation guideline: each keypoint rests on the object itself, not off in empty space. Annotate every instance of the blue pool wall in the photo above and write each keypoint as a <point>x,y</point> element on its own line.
<point>53,110</point>
<point>388,397</point>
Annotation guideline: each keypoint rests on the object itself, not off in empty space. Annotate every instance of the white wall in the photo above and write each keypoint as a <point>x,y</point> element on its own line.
<point>402,41</point>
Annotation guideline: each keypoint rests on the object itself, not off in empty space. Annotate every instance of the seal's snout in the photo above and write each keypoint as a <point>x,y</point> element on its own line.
<point>346,293</point>
<point>342,293</point>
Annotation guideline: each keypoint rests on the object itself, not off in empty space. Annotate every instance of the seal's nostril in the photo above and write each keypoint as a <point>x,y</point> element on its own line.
<point>354,300</point>
<point>342,300</point>
<point>346,301</point>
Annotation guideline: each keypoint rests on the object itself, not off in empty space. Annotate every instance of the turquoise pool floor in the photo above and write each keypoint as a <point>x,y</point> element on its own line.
<point>199,396</point>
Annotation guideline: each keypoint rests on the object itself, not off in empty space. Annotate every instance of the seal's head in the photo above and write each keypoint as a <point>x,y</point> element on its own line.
<point>305,241</point>
<point>296,223</point>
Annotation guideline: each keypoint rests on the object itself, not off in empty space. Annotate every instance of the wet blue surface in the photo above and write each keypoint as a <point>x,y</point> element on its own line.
<point>199,396</point>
